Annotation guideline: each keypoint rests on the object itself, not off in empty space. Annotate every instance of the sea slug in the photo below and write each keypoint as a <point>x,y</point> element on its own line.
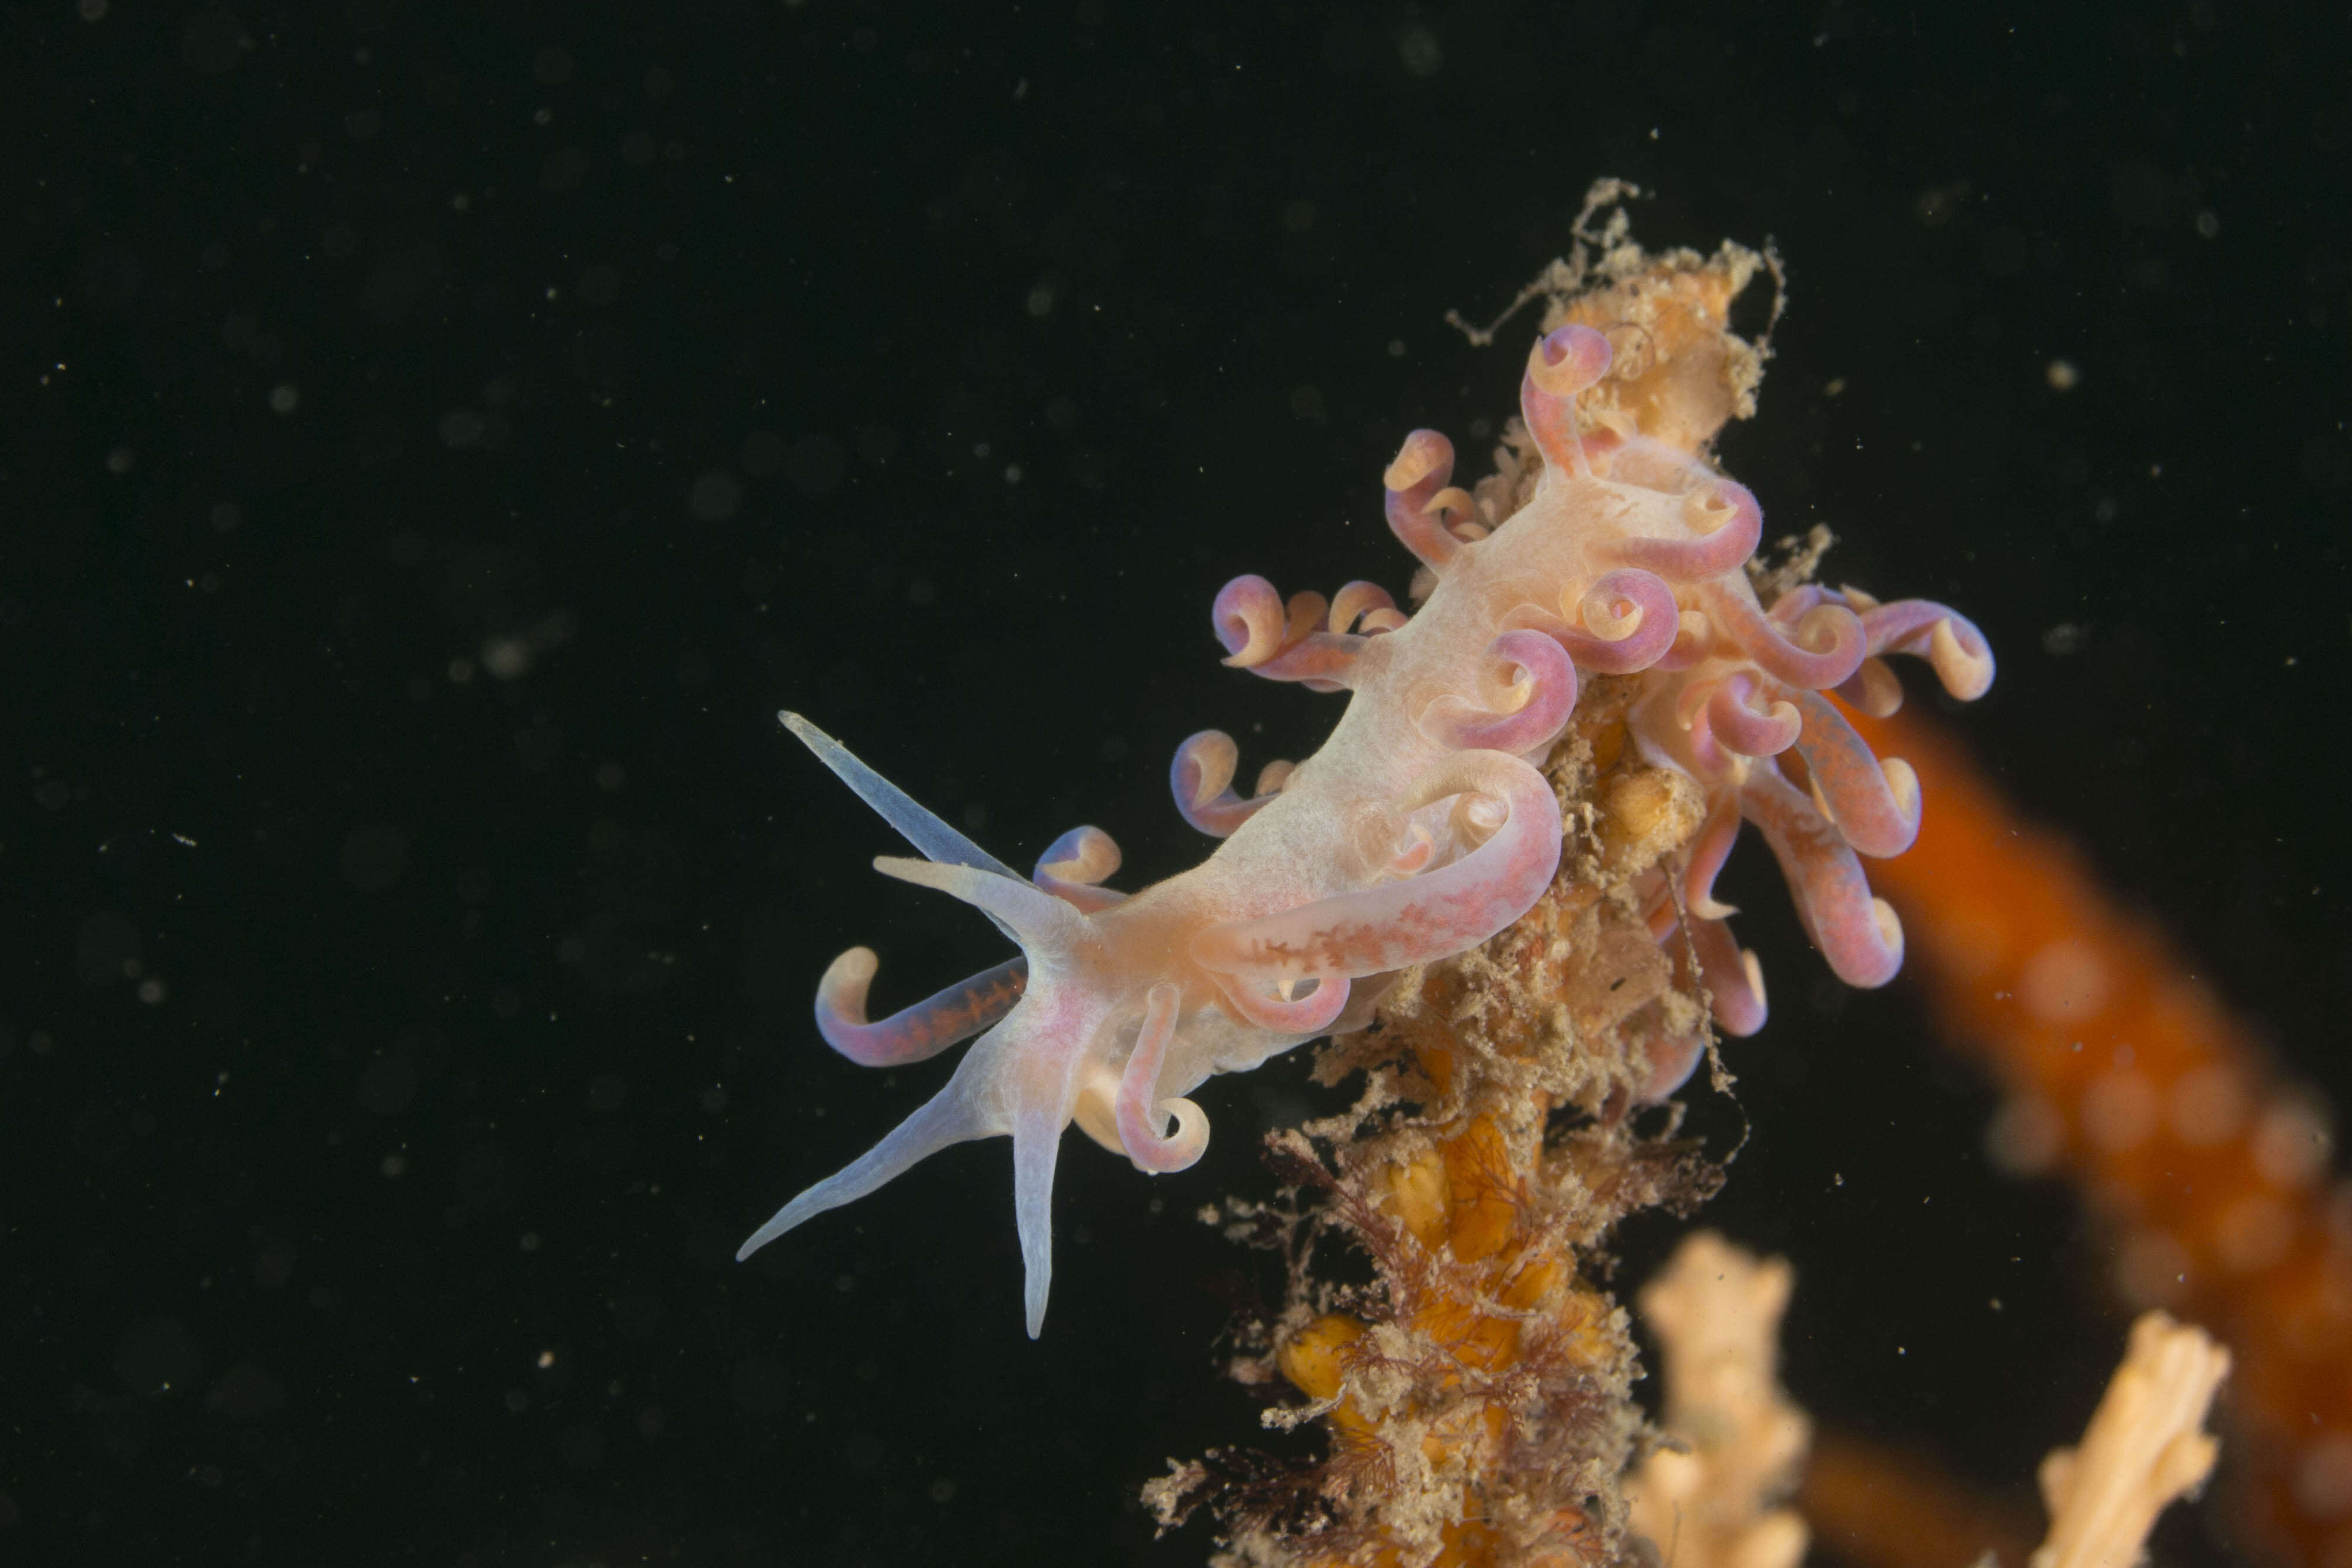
<point>1423,825</point>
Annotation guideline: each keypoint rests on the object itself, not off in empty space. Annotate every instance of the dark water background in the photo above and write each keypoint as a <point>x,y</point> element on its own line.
<point>435,443</point>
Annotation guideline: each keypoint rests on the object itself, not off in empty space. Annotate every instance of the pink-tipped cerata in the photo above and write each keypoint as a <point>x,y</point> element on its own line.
<point>1568,359</point>
<point>1261,1002</point>
<point>1629,622</point>
<point>1858,934</point>
<point>1361,601</point>
<point>1564,363</point>
<point>1541,689</point>
<point>1875,804</point>
<point>1250,619</point>
<point>1693,644</point>
<point>1415,480</point>
<point>1140,1107</point>
<point>1825,648</point>
<point>1670,1059</point>
<point>1738,725</point>
<point>1734,980</point>
<point>1917,628</point>
<point>1948,639</point>
<point>1707,853</point>
<point>1723,525</point>
<point>917,1033</point>
<point>1321,661</point>
<point>1874,689</point>
<point>1200,777</point>
<point>1072,869</point>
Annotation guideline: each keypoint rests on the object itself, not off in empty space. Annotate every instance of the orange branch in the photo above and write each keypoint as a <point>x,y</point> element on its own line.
<point>2125,1072</point>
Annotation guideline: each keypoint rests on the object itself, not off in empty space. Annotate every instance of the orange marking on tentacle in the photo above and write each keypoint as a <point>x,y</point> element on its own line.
<point>914,1033</point>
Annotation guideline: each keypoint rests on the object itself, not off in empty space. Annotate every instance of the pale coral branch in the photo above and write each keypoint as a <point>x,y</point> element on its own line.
<point>2145,1448</point>
<point>1712,1500</point>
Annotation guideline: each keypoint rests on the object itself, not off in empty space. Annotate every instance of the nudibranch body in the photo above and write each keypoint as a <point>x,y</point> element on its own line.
<point>1423,826</point>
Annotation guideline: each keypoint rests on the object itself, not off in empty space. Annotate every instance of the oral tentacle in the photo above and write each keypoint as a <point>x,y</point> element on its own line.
<point>958,1114</point>
<point>1036,917</point>
<point>916,823</point>
<point>1037,1129</point>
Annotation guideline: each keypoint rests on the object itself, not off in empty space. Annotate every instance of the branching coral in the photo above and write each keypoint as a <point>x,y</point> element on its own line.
<point>1708,1497</point>
<point>2146,1446</point>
